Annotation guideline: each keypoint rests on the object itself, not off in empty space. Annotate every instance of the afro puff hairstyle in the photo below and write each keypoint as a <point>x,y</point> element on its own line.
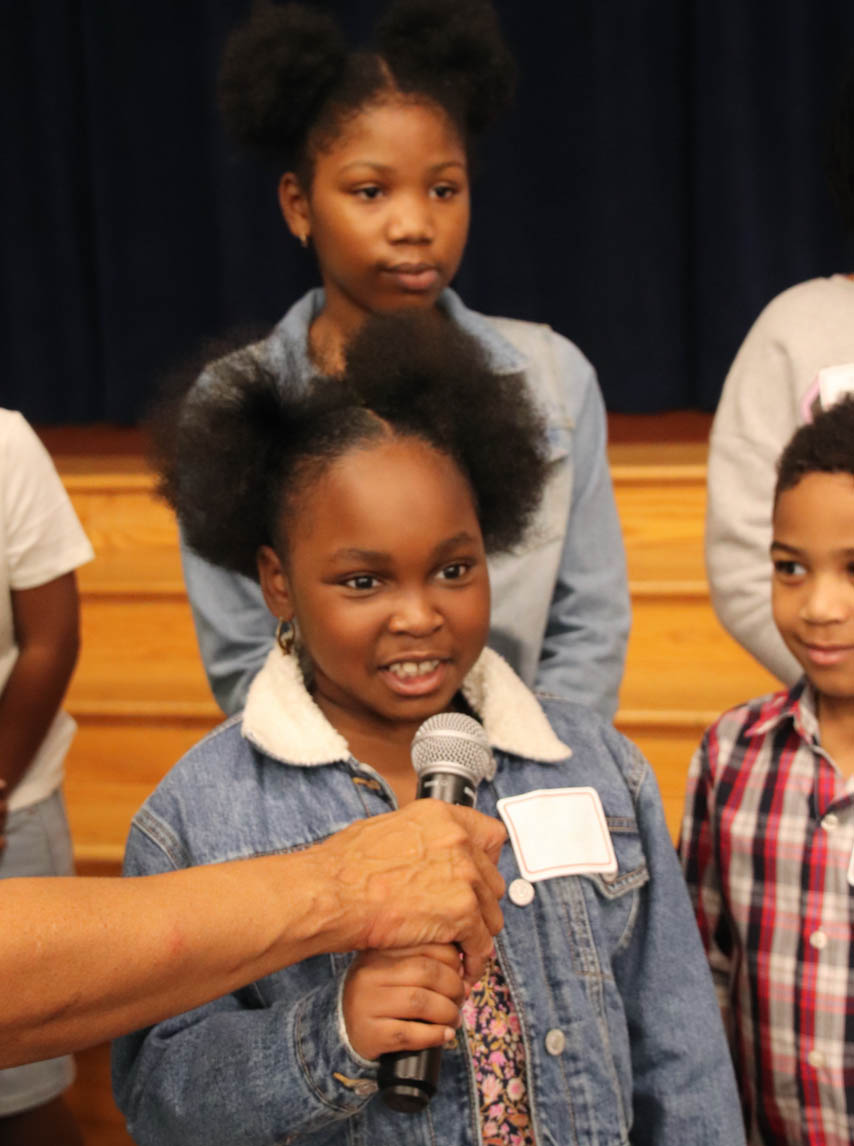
<point>823,446</point>
<point>288,82</point>
<point>235,453</point>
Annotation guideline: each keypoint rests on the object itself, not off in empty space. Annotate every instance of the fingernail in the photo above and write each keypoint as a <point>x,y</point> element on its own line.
<point>450,1034</point>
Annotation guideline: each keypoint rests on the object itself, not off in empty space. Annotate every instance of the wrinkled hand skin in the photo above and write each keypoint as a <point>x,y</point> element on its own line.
<point>425,874</point>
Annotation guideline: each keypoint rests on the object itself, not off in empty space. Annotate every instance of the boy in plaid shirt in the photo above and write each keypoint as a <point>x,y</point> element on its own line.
<point>768,834</point>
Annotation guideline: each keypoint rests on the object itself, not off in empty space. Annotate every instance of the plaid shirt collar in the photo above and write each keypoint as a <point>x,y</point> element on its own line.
<point>799,706</point>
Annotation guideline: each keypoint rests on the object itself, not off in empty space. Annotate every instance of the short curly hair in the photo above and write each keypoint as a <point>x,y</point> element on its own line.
<point>823,446</point>
<point>235,452</point>
<point>288,81</point>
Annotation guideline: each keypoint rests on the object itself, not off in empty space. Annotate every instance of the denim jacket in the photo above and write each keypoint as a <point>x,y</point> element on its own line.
<point>622,1033</point>
<point>561,609</point>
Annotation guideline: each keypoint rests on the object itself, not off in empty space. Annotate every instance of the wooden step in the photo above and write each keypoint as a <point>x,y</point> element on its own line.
<point>680,658</point>
<point>662,511</point>
<point>114,764</point>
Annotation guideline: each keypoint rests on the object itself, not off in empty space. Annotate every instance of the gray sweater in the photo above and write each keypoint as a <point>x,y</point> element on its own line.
<point>800,332</point>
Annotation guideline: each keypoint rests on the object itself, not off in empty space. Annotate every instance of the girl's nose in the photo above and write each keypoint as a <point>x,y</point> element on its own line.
<point>411,221</point>
<point>414,614</point>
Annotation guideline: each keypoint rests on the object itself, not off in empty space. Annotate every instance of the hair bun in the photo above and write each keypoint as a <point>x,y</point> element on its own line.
<point>451,46</point>
<point>276,70</point>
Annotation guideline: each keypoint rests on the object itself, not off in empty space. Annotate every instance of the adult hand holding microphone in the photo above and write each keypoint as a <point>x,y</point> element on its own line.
<point>401,1006</point>
<point>89,959</point>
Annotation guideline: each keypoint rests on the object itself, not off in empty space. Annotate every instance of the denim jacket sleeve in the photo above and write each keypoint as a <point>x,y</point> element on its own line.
<point>267,1071</point>
<point>584,648</point>
<point>700,863</point>
<point>683,1081</point>
<point>234,627</point>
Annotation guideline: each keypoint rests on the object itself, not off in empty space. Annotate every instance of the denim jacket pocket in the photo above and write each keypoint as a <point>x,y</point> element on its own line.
<point>613,910</point>
<point>632,870</point>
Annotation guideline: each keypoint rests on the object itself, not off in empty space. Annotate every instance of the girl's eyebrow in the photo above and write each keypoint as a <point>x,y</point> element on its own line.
<point>452,543</point>
<point>775,544</point>
<point>387,169</point>
<point>353,553</point>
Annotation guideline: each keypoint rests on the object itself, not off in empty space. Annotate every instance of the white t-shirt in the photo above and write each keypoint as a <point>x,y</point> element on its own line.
<point>40,540</point>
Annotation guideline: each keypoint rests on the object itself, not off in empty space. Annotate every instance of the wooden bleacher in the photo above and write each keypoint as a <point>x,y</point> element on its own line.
<point>140,697</point>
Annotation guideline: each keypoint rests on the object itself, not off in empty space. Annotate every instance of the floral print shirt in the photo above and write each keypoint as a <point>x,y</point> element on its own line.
<point>498,1055</point>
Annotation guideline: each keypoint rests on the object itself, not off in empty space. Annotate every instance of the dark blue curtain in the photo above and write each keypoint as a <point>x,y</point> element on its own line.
<point>659,180</point>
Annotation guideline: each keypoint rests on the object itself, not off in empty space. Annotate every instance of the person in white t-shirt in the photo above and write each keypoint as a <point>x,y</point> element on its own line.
<point>41,544</point>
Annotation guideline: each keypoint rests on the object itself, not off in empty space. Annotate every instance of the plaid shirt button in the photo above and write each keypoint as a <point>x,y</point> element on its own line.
<point>818,939</point>
<point>830,821</point>
<point>816,1059</point>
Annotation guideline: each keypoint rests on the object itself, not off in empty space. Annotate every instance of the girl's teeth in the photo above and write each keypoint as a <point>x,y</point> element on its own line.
<point>413,668</point>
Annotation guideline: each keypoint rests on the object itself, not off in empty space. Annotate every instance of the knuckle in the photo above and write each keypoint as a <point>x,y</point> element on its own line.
<point>417,1000</point>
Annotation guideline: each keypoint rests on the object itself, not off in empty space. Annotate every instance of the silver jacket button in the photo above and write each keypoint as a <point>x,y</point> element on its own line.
<point>521,892</point>
<point>555,1041</point>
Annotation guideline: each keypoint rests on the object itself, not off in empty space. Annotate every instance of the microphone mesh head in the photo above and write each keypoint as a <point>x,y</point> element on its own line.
<point>454,739</point>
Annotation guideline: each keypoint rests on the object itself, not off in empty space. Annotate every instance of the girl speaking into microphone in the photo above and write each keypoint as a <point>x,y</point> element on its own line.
<point>366,508</point>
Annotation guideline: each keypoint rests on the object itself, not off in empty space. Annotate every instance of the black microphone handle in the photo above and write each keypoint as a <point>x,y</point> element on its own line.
<point>408,1079</point>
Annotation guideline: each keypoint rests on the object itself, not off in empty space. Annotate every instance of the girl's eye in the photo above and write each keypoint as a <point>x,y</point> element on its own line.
<point>362,582</point>
<point>369,192</point>
<point>454,571</point>
<point>785,568</point>
<point>445,191</point>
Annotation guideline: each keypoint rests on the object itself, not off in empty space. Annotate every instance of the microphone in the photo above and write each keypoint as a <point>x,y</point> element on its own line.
<point>450,755</point>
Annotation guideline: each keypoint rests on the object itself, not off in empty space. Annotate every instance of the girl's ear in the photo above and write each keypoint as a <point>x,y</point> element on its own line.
<point>293,203</point>
<point>274,584</point>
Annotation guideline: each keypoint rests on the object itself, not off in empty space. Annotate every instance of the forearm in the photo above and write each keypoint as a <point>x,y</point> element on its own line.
<point>88,959</point>
<point>28,704</point>
<point>47,636</point>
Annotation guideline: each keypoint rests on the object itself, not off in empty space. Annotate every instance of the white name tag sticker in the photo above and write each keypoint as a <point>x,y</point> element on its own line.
<point>559,831</point>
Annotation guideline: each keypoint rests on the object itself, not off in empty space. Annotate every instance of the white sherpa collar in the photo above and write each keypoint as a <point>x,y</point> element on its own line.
<point>283,721</point>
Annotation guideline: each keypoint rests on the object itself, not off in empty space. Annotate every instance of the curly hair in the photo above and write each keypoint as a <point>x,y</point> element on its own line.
<point>288,82</point>
<point>235,452</point>
<point>823,446</point>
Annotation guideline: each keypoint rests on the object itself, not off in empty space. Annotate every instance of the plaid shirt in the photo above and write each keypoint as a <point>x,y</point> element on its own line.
<point>766,845</point>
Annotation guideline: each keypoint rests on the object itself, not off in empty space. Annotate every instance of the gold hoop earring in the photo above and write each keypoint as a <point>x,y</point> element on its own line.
<point>285,636</point>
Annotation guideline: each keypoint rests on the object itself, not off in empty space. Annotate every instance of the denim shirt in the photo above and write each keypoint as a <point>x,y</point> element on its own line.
<point>561,609</point>
<point>622,1034</point>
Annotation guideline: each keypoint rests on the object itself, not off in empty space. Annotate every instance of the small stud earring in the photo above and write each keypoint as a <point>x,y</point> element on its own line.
<point>285,636</point>
<point>303,241</point>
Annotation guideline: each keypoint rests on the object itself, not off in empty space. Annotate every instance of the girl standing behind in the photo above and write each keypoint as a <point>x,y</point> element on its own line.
<point>367,508</point>
<point>375,150</point>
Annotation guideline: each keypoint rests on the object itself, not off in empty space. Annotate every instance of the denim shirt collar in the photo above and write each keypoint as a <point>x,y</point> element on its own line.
<point>286,350</point>
<point>283,721</point>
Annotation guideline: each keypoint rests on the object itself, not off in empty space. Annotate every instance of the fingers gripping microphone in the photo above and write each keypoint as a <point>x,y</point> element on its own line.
<point>451,755</point>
